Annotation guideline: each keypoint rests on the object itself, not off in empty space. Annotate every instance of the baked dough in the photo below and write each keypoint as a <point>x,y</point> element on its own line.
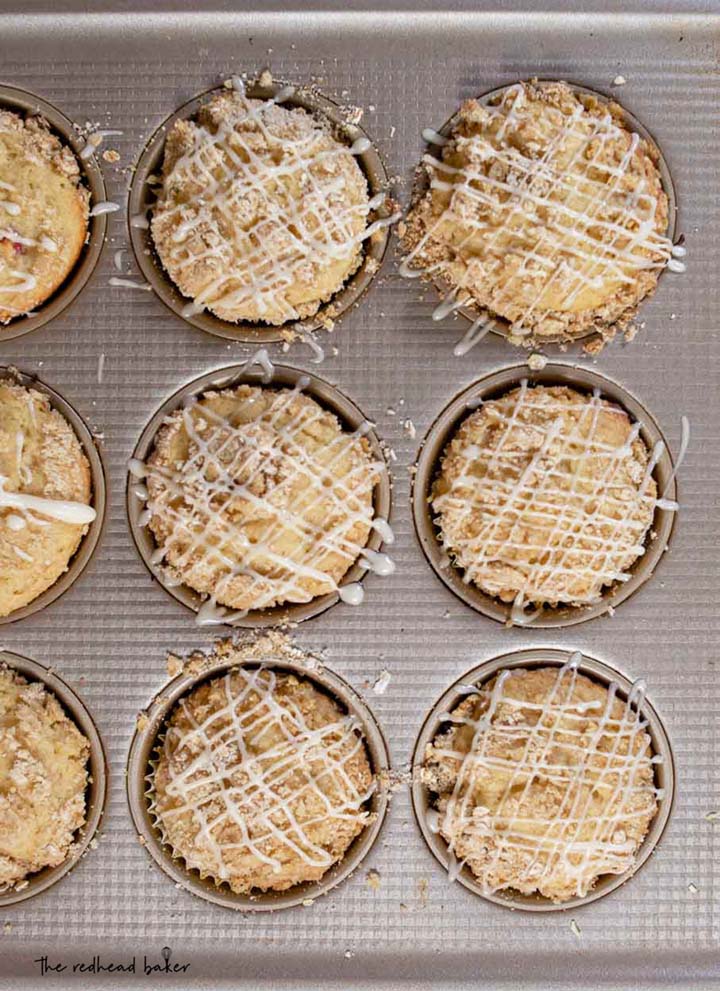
<point>543,783</point>
<point>43,778</point>
<point>45,491</point>
<point>261,781</point>
<point>262,211</point>
<point>43,213</point>
<point>545,211</point>
<point>545,497</point>
<point>257,497</point>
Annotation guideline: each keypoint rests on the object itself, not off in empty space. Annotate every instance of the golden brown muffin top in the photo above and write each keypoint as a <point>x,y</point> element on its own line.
<point>43,777</point>
<point>258,497</point>
<point>543,210</point>
<point>43,213</point>
<point>45,491</point>
<point>262,780</point>
<point>545,496</point>
<point>262,212</point>
<point>543,782</point>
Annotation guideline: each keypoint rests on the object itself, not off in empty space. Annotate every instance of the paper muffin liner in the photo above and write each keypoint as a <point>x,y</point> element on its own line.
<point>492,386</point>
<point>98,500</point>
<point>25,105</point>
<point>96,790</point>
<point>282,376</point>
<point>142,197</point>
<point>597,671</point>
<point>145,752</point>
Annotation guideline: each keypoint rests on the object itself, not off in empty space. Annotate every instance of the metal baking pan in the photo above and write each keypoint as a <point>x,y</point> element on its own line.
<point>118,353</point>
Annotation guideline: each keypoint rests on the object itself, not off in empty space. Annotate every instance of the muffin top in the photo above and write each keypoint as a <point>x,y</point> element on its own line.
<point>261,780</point>
<point>545,496</point>
<point>545,211</point>
<point>258,497</point>
<point>43,777</point>
<point>45,491</point>
<point>262,211</point>
<point>43,213</point>
<point>543,782</point>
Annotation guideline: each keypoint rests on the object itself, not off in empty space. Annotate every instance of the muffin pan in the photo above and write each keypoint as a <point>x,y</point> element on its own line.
<point>27,105</point>
<point>142,198</point>
<point>491,387</point>
<point>398,916</point>
<point>281,376</point>
<point>496,324</point>
<point>139,784</point>
<point>602,674</point>
<point>82,556</point>
<point>97,777</point>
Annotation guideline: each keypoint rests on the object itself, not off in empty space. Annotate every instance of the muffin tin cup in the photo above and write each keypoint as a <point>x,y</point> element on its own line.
<point>283,376</point>
<point>96,793</point>
<point>141,200</point>
<point>422,797</point>
<point>497,384</point>
<point>27,104</point>
<point>89,543</point>
<point>141,764</point>
<point>497,324</point>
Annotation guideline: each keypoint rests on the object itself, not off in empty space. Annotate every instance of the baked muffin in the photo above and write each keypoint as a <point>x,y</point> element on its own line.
<point>542,783</point>
<point>43,778</point>
<point>43,213</point>
<point>257,497</point>
<point>543,211</point>
<point>262,211</point>
<point>545,497</point>
<point>45,494</point>
<point>261,781</point>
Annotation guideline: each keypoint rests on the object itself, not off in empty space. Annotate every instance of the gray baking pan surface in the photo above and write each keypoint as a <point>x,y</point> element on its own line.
<point>109,633</point>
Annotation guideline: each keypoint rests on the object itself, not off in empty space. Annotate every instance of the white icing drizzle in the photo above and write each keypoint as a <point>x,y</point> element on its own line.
<point>101,368</point>
<point>104,206</point>
<point>566,252</point>
<point>63,510</point>
<point>140,221</point>
<point>576,842</point>
<point>228,453</point>
<point>268,796</point>
<point>121,283</point>
<point>595,528</point>
<point>229,169</point>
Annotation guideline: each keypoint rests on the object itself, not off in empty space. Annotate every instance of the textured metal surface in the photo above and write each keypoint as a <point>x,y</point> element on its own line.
<point>113,627</point>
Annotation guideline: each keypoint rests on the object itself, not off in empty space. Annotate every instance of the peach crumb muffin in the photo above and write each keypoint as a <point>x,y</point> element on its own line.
<point>542,783</point>
<point>261,780</point>
<point>43,778</point>
<point>543,211</point>
<point>545,497</point>
<point>262,212</point>
<point>45,492</point>
<point>43,213</point>
<point>257,497</point>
